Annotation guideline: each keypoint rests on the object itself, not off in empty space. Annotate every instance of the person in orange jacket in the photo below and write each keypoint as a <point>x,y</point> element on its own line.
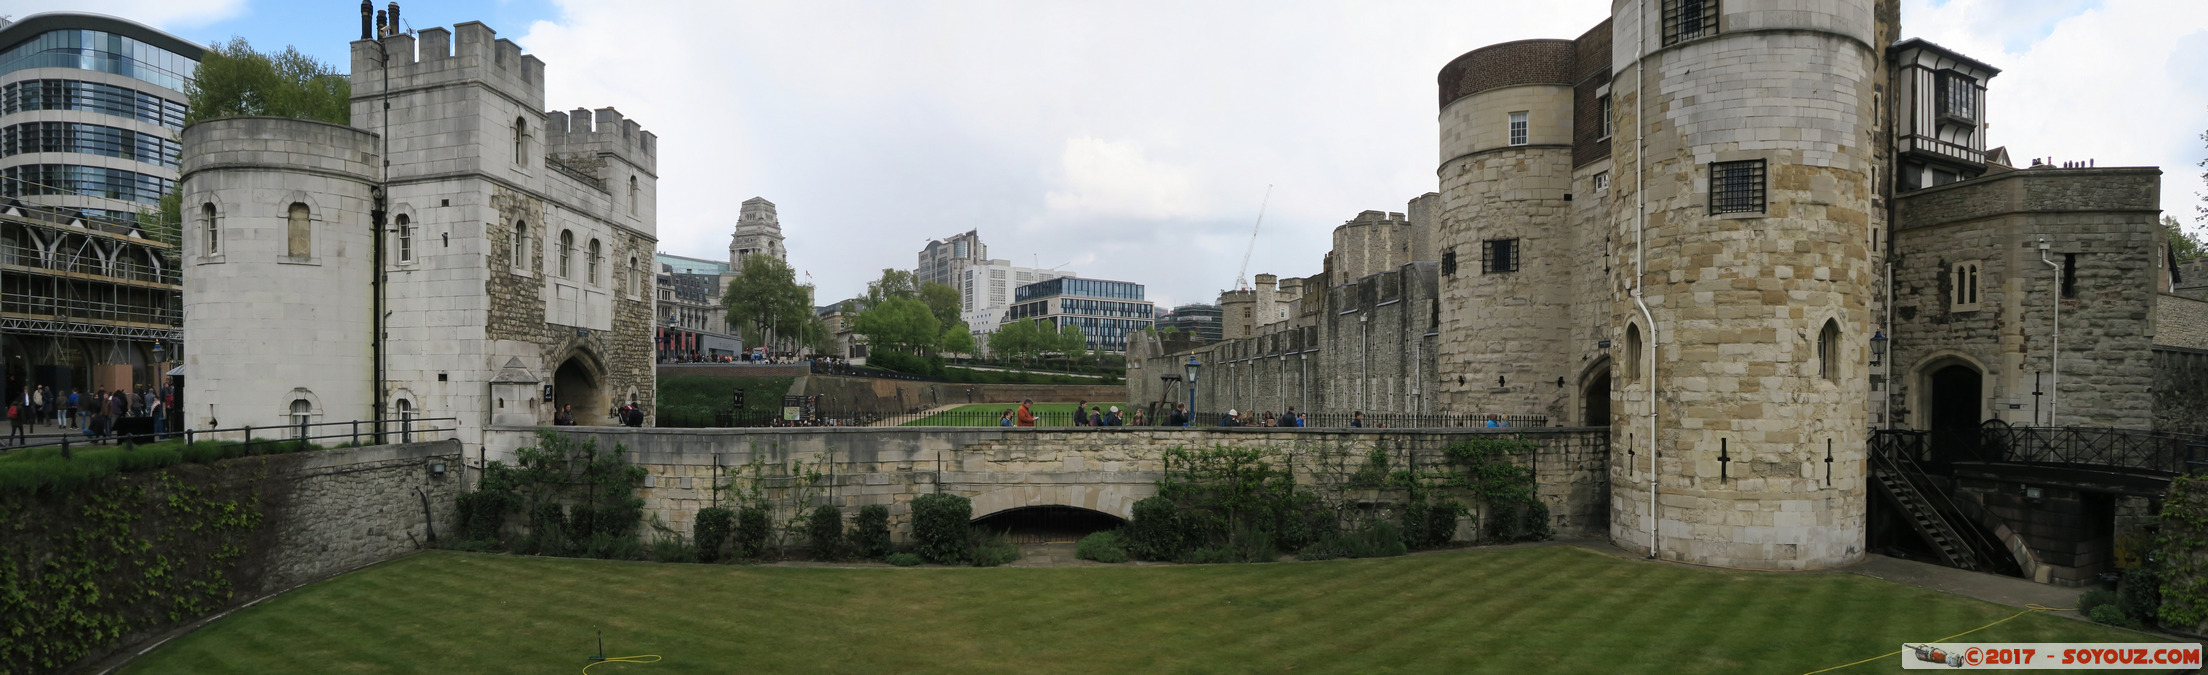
<point>1026,416</point>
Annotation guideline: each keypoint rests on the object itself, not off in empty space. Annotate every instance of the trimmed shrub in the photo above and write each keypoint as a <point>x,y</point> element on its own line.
<point>991,550</point>
<point>482,513</point>
<point>1430,525</point>
<point>2112,615</point>
<point>1157,531</point>
<point>711,531</point>
<point>940,528</point>
<point>752,532</point>
<point>671,549</point>
<point>547,530</point>
<point>1519,521</point>
<point>1376,539</point>
<point>870,532</point>
<point>1103,547</point>
<point>904,559</point>
<point>2095,598</point>
<point>824,532</point>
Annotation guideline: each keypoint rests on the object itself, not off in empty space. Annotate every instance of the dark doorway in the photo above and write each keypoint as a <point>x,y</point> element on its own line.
<point>1048,524</point>
<point>1952,403</point>
<point>573,385</point>
<point>1597,394</point>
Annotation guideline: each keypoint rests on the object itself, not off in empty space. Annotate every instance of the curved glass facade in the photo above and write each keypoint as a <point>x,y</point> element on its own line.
<point>101,51</point>
<point>26,95</point>
<point>93,181</point>
<point>91,139</point>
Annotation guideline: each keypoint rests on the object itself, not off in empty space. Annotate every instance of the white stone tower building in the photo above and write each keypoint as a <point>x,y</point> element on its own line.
<point>758,231</point>
<point>515,250</point>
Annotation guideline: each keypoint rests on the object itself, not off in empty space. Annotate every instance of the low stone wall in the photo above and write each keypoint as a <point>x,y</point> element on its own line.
<point>1105,470</point>
<point>352,507</point>
<point>99,567</point>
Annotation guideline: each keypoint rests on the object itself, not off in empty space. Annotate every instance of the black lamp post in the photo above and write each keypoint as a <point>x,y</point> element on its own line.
<point>1193,367</point>
<point>1878,347</point>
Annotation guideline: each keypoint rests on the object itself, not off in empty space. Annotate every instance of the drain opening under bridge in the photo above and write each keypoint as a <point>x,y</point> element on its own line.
<point>1048,524</point>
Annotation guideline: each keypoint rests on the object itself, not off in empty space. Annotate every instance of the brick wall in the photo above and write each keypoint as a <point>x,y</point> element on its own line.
<point>1507,64</point>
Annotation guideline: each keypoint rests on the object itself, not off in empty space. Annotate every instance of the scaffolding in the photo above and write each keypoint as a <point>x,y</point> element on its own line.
<point>104,275</point>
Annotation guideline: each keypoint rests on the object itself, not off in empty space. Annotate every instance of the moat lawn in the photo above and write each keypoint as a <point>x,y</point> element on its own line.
<point>987,414</point>
<point>1551,609</point>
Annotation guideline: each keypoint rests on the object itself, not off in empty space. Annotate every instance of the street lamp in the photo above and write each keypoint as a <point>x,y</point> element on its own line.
<point>1878,347</point>
<point>1193,367</point>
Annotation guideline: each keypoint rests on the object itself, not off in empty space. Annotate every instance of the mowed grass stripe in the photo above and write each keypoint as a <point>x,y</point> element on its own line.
<point>1550,609</point>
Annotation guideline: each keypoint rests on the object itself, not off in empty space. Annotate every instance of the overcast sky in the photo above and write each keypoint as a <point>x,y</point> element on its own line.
<point>1135,140</point>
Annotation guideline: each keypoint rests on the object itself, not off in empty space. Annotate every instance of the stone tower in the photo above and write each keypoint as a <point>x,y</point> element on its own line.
<point>758,231</point>
<point>1743,276</point>
<point>516,249</point>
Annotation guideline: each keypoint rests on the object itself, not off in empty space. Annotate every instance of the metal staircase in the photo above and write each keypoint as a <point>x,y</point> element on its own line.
<point>1930,512</point>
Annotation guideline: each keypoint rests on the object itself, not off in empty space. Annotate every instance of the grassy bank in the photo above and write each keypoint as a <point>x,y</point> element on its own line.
<point>696,397</point>
<point>987,414</point>
<point>1538,610</point>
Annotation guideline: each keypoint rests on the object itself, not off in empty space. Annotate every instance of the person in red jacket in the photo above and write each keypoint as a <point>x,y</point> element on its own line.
<point>1025,417</point>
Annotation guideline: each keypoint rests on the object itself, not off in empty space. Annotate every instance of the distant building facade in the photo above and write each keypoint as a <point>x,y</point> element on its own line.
<point>1108,312</point>
<point>90,106</point>
<point>758,232</point>
<point>1199,321</point>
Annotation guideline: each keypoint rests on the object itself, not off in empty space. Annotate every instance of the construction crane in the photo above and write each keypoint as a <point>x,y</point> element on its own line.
<point>1242,278</point>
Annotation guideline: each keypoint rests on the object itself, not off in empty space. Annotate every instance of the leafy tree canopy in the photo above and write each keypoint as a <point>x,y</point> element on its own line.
<point>899,324</point>
<point>233,80</point>
<point>767,305</point>
<point>2184,245</point>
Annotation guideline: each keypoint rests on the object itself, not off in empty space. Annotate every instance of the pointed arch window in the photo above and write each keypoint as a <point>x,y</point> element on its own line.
<point>567,250</point>
<point>211,224</point>
<point>406,239</point>
<point>632,195</point>
<point>1633,347</point>
<point>1828,351</point>
<point>521,245</point>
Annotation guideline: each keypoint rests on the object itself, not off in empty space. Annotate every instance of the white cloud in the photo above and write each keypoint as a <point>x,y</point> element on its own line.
<point>1104,178</point>
<point>170,15</point>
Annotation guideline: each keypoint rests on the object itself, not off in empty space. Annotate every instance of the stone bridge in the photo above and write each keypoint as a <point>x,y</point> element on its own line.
<point>1003,469</point>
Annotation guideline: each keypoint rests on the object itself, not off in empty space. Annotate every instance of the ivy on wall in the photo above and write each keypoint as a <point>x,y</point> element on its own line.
<point>2182,545</point>
<point>87,568</point>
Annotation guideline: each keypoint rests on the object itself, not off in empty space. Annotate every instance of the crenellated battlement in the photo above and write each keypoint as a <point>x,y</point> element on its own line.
<point>468,52</point>
<point>601,132</point>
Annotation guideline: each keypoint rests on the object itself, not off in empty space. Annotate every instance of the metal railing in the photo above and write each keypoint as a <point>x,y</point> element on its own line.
<point>142,430</point>
<point>1899,454</point>
<point>2138,450</point>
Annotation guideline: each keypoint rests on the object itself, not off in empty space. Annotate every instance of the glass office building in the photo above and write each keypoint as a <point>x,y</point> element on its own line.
<point>90,110</point>
<point>1106,311</point>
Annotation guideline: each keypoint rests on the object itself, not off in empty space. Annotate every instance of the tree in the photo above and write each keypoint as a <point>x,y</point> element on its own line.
<point>2183,245</point>
<point>234,80</point>
<point>1020,340</point>
<point>900,325</point>
<point>958,338</point>
<point>766,304</point>
<point>1072,342</point>
<point>895,283</point>
<point>942,300</point>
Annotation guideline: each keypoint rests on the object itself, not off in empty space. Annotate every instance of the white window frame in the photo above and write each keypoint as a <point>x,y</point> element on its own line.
<point>1520,128</point>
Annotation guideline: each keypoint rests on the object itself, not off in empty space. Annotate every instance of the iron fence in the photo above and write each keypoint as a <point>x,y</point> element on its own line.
<point>143,430</point>
<point>2158,452</point>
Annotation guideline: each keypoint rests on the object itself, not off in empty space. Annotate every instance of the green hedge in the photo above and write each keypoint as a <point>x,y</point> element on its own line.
<point>824,532</point>
<point>940,528</point>
<point>1104,547</point>
<point>711,531</point>
<point>870,532</point>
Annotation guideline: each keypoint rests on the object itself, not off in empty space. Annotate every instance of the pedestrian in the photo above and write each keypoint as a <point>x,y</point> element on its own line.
<point>1025,416</point>
<point>160,417</point>
<point>1357,420</point>
<point>1113,419</point>
<point>1080,414</point>
<point>632,416</point>
<point>1006,419</point>
<point>1096,416</point>
<point>1139,417</point>
<point>565,417</point>
<point>1230,420</point>
<point>1496,421</point>
<point>37,411</point>
<point>65,404</point>
<point>15,424</point>
<point>1269,420</point>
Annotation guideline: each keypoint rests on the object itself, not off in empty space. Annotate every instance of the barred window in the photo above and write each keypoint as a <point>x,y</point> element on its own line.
<point>1518,128</point>
<point>1736,187</point>
<point>1449,262</point>
<point>1499,255</point>
<point>1958,96</point>
<point>1689,19</point>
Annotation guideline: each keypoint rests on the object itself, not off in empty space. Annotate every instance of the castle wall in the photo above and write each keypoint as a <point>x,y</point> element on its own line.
<point>1746,415</point>
<point>2106,218</point>
<point>265,328</point>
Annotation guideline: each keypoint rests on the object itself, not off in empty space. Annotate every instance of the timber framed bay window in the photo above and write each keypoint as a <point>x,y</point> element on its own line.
<point>1737,187</point>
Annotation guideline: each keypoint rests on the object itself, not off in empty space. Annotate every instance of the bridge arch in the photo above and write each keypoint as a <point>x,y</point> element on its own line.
<point>1116,500</point>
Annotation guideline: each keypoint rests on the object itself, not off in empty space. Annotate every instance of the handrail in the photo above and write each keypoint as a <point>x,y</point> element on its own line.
<point>1906,468</point>
<point>377,429</point>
